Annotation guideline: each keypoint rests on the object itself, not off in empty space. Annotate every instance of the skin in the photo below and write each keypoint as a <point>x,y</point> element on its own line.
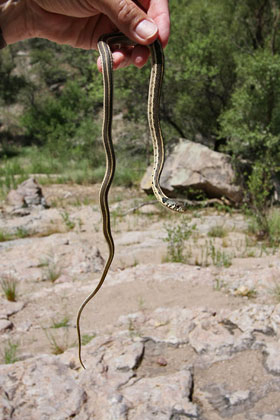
<point>80,23</point>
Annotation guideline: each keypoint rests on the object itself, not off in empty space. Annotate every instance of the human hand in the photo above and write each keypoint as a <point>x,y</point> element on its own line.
<point>80,24</point>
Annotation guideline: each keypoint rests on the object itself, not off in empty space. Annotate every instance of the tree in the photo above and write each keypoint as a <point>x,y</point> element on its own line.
<point>199,71</point>
<point>10,83</point>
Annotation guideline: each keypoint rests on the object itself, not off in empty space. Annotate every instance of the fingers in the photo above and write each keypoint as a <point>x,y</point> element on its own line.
<point>139,56</point>
<point>131,20</point>
<point>159,12</point>
<point>124,57</point>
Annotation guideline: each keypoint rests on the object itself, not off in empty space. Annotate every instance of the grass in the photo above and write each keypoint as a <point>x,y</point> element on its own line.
<point>209,252</point>
<point>58,345</point>
<point>70,224</point>
<point>86,338</point>
<point>61,324</point>
<point>275,291</point>
<point>10,353</point>
<point>9,288</point>
<point>217,232</point>
<point>219,258</point>
<point>203,261</point>
<point>251,294</point>
<point>5,236</point>
<point>219,285</point>
<point>177,235</point>
<point>11,175</point>
<point>50,268</point>
<point>64,168</point>
<point>274,226</point>
<point>21,232</point>
<point>269,231</point>
<point>133,329</point>
<point>52,272</point>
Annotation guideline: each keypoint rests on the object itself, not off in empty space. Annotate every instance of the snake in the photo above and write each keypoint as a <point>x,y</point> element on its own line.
<point>104,45</point>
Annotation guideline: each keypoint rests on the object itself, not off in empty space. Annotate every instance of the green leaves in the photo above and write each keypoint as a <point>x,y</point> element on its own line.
<point>252,122</point>
<point>63,122</point>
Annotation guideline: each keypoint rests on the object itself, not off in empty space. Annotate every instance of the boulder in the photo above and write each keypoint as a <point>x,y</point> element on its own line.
<point>28,194</point>
<point>192,166</point>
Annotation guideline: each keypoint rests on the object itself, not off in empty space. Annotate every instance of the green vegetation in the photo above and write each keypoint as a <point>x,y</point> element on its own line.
<point>10,353</point>
<point>222,84</point>
<point>58,346</point>
<point>70,224</point>
<point>5,236</point>
<point>266,225</point>
<point>273,220</point>
<point>217,232</point>
<point>276,292</point>
<point>219,285</point>
<point>20,232</point>
<point>86,338</point>
<point>59,343</point>
<point>219,258</point>
<point>51,269</point>
<point>177,235</point>
<point>210,252</point>
<point>61,324</point>
<point>9,288</point>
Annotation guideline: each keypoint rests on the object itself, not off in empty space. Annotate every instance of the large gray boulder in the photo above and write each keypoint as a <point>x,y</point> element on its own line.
<point>194,166</point>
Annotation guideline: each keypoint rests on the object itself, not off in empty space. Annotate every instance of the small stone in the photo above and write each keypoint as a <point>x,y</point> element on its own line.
<point>161,361</point>
<point>238,397</point>
<point>242,291</point>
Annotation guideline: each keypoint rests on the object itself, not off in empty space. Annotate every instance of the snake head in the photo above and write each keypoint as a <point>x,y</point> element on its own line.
<point>175,205</point>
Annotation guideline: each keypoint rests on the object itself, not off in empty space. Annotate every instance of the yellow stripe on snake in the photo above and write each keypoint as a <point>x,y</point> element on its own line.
<point>157,70</point>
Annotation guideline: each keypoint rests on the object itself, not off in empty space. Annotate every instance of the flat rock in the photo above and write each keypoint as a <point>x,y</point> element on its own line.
<point>162,398</point>
<point>40,388</point>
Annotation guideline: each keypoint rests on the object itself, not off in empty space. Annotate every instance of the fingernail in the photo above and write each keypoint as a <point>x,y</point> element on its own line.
<point>146,29</point>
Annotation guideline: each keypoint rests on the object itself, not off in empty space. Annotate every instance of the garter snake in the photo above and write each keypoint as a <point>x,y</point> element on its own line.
<point>156,78</point>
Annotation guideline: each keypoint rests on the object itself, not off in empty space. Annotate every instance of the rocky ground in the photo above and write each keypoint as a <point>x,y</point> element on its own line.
<point>197,339</point>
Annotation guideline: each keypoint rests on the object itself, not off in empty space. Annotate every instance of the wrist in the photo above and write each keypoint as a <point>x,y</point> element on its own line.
<point>13,21</point>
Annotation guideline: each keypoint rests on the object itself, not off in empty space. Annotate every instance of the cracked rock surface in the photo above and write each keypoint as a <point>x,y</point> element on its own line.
<point>161,340</point>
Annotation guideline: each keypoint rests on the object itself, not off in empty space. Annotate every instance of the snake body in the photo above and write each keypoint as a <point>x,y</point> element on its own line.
<point>156,78</point>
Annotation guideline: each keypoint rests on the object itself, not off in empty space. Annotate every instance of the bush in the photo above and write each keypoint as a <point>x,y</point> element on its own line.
<point>64,125</point>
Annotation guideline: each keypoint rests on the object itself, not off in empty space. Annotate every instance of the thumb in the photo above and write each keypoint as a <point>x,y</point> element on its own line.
<point>131,20</point>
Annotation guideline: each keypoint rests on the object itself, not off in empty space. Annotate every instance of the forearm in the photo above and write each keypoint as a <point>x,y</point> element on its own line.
<point>13,21</point>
